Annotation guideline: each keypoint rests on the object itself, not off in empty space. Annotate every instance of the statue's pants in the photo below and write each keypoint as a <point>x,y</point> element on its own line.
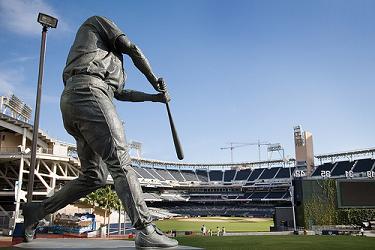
<point>91,118</point>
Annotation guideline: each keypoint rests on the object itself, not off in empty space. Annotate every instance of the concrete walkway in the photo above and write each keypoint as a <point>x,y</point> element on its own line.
<point>76,244</point>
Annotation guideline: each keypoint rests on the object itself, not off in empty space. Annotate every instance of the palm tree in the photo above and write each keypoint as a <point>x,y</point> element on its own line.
<point>106,199</point>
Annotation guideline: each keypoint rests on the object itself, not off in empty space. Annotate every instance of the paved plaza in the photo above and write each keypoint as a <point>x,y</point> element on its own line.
<point>57,244</point>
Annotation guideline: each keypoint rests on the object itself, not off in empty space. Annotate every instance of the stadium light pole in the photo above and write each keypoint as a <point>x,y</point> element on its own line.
<point>47,22</point>
<point>291,191</point>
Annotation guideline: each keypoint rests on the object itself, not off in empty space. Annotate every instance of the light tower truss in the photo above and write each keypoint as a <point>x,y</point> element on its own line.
<point>15,107</point>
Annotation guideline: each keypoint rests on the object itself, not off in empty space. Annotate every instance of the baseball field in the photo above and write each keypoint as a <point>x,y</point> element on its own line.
<point>231,224</point>
<point>262,242</point>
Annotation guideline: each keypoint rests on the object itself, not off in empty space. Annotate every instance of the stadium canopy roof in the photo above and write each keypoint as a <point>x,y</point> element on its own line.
<point>181,165</point>
<point>350,155</point>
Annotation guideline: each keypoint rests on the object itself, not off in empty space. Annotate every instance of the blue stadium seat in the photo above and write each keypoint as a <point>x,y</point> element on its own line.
<point>325,167</point>
<point>284,173</point>
<point>255,174</point>
<point>177,175</point>
<point>155,173</point>
<point>143,173</point>
<point>247,195</point>
<point>341,167</point>
<point>165,174</point>
<point>363,165</point>
<point>269,173</point>
<point>243,174</point>
<point>258,195</point>
<point>276,195</point>
<point>229,175</point>
<point>202,175</point>
<point>189,175</point>
<point>216,175</point>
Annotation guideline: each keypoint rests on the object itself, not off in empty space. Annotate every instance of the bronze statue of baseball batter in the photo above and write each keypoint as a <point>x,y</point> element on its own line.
<point>93,76</point>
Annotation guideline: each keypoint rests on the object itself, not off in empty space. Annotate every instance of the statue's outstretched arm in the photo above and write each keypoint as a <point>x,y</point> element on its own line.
<point>124,45</point>
<point>128,95</point>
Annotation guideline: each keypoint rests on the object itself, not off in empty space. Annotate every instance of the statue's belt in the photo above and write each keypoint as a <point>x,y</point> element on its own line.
<point>87,80</point>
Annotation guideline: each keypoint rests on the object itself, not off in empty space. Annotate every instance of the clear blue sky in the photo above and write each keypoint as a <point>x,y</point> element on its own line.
<point>236,70</point>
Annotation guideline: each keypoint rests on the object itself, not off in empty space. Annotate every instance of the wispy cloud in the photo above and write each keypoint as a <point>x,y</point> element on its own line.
<point>12,81</point>
<point>19,59</point>
<point>20,16</point>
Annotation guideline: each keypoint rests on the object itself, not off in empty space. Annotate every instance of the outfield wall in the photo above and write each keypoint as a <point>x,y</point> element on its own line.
<point>322,201</point>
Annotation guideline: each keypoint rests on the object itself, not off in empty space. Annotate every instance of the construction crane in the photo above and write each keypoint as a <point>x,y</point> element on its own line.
<point>234,145</point>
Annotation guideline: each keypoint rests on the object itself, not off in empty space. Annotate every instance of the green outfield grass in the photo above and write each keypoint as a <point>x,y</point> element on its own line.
<point>231,224</point>
<point>240,224</point>
<point>291,242</point>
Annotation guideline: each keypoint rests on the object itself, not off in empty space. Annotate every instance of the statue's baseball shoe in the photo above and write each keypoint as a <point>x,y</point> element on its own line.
<point>152,238</point>
<point>30,212</point>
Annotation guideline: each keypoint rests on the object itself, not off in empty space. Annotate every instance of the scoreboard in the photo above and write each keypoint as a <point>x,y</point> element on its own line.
<point>356,193</point>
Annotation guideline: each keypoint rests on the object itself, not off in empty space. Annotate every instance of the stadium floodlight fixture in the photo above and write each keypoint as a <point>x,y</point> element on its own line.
<point>274,147</point>
<point>47,20</point>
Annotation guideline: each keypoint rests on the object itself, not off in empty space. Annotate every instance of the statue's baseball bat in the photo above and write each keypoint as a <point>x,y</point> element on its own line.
<point>176,140</point>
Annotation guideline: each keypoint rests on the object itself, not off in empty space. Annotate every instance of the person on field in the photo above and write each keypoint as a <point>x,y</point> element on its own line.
<point>204,230</point>
<point>223,231</point>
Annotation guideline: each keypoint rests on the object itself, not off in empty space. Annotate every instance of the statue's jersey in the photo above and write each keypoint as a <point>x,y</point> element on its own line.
<point>94,53</point>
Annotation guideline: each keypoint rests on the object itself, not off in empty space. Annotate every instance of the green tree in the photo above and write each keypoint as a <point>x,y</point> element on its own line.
<point>106,199</point>
<point>118,206</point>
